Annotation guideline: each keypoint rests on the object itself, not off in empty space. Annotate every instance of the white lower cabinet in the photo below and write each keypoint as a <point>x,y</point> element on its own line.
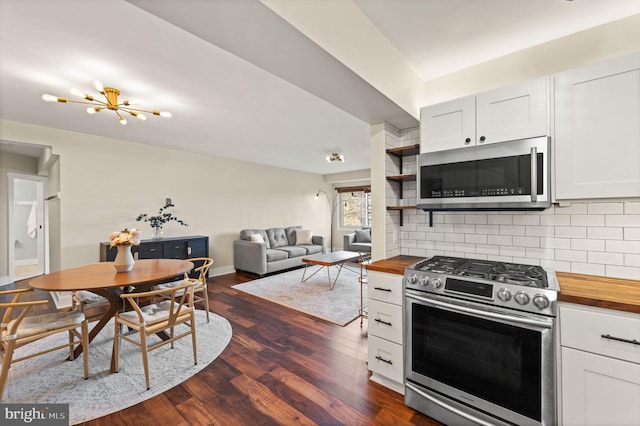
<point>385,330</point>
<point>600,366</point>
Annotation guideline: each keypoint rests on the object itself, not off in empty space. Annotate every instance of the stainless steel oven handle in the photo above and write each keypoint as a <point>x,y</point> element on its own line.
<point>447,406</point>
<point>534,174</point>
<point>485,314</point>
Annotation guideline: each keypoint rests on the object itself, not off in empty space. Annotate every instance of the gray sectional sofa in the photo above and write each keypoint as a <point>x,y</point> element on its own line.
<point>263,251</point>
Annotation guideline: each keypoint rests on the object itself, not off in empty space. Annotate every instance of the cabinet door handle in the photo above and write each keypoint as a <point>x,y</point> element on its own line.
<point>382,289</point>
<point>482,138</point>
<point>383,322</point>
<point>620,339</point>
<point>467,141</point>
<point>379,358</point>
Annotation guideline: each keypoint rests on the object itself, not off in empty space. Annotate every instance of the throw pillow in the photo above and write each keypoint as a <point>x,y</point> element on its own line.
<point>363,236</point>
<point>303,237</point>
<point>257,238</point>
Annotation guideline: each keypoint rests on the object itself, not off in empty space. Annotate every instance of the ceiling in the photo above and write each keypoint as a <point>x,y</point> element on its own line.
<point>242,82</point>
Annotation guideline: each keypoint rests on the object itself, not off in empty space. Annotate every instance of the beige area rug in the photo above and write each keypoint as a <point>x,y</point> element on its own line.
<point>51,379</point>
<point>339,306</point>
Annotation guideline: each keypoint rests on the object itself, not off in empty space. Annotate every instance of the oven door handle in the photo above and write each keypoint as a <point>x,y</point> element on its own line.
<point>484,314</point>
<point>534,174</point>
<point>448,407</point>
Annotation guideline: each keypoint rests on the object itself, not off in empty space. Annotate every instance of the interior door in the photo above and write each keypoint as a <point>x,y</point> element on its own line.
<point>27,227</point>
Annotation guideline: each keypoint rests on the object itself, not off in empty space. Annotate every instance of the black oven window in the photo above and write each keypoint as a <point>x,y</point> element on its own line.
<point>496,362</point>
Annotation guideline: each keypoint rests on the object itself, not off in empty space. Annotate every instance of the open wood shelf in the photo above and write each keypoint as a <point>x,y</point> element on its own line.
<point>404,151</point>
<point>409,177</point>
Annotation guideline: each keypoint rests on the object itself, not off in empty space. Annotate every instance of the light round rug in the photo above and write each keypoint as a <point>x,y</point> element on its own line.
<point>51,379</point>
<point>339,306</point>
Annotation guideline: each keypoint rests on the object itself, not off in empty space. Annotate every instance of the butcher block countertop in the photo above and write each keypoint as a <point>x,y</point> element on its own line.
<point>603,292</point>
<point>394,265</point>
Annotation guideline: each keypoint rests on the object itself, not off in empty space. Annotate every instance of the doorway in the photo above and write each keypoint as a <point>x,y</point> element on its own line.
<point>28,226</point>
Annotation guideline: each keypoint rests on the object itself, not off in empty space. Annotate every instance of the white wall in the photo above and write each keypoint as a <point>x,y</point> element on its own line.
<point>106,183</point>
<point>597,44</point>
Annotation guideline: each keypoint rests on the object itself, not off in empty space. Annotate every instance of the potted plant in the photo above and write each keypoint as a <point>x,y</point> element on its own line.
<point>158,221</point>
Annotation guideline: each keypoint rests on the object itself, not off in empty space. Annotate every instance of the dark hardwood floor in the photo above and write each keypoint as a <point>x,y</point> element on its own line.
<point>280,368</point>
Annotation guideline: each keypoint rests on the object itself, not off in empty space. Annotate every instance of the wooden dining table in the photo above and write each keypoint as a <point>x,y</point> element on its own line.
<point>102,279</point>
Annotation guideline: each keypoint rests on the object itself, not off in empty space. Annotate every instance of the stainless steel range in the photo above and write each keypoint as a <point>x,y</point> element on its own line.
<point>479,341</point>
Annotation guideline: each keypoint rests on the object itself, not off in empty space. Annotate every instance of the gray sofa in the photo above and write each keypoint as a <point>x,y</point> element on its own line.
<point>279,250</point>
<point>359,240</point>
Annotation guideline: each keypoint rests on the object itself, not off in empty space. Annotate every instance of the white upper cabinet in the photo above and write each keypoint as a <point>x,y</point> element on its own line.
<point>597,130</point>
<point>509,113</point>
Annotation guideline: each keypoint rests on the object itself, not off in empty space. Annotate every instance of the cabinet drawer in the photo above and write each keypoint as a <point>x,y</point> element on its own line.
<point>150,251</point>
<point>385,320</point>
<point>583,328</point>
<point>385,359</point>
<point>175,249</point>
<point>385,287</point>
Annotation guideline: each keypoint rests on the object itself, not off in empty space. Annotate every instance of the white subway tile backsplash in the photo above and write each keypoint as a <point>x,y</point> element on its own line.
<point>587,220</point>
<point>475,238</point>
<point>632,260</point>
<point>571,255</point>
<point>632,207</point>
<point>513,251</point>
<point>558,243</point>
<point>605,233</point>
<point>464,228</point>
<point>605,258</point>
<point>540,253</point>
<point>555,220</point>
<point>453,218</point>
<point>617,246</point>
<point>526,220</point>
<point>500,240</point>
<point>477,219</point>
<point>512,230</point>
<point>574,208</point>
<point>631,233</point>
<point>539,231</point>
<point>488,249</point>
<point>586,268</point>
<point>496,219</point>
<point>571,231</point>
<point>627,220</point>
<point>526,241</point>
<point>605,208</point>
<point>488,229</point>
<point>589,245</point>
<point>454,238</point>
<point>622,272</point>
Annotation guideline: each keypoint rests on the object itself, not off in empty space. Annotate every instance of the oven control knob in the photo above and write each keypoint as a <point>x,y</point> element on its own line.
<point>541,301</point>
<point>412,279</point>
<point>504,295</point>
<point>436,282</point>
<point>521,298</point>
<point>424,281</point>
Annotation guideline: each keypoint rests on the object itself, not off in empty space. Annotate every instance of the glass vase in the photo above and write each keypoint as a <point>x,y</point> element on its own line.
<point>157,233</point>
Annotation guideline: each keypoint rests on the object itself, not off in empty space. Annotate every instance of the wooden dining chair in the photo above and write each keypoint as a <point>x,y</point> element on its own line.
<point>202,265</point>
<point>18,330</point>
<point>93,305</point>
<point>156,318</point>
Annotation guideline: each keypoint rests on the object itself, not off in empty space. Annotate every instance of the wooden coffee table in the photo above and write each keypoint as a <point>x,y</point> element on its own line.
<point>336,258</point>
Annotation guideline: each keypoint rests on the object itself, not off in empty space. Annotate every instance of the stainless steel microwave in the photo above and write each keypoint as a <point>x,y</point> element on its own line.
<point>512,175</point>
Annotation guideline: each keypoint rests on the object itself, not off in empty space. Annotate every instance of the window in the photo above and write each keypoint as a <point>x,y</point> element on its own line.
<point>355,208</point>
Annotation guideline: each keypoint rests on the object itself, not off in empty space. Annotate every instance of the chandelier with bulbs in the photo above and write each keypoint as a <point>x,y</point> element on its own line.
<point>111,103</point>
<point>335,157</point>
